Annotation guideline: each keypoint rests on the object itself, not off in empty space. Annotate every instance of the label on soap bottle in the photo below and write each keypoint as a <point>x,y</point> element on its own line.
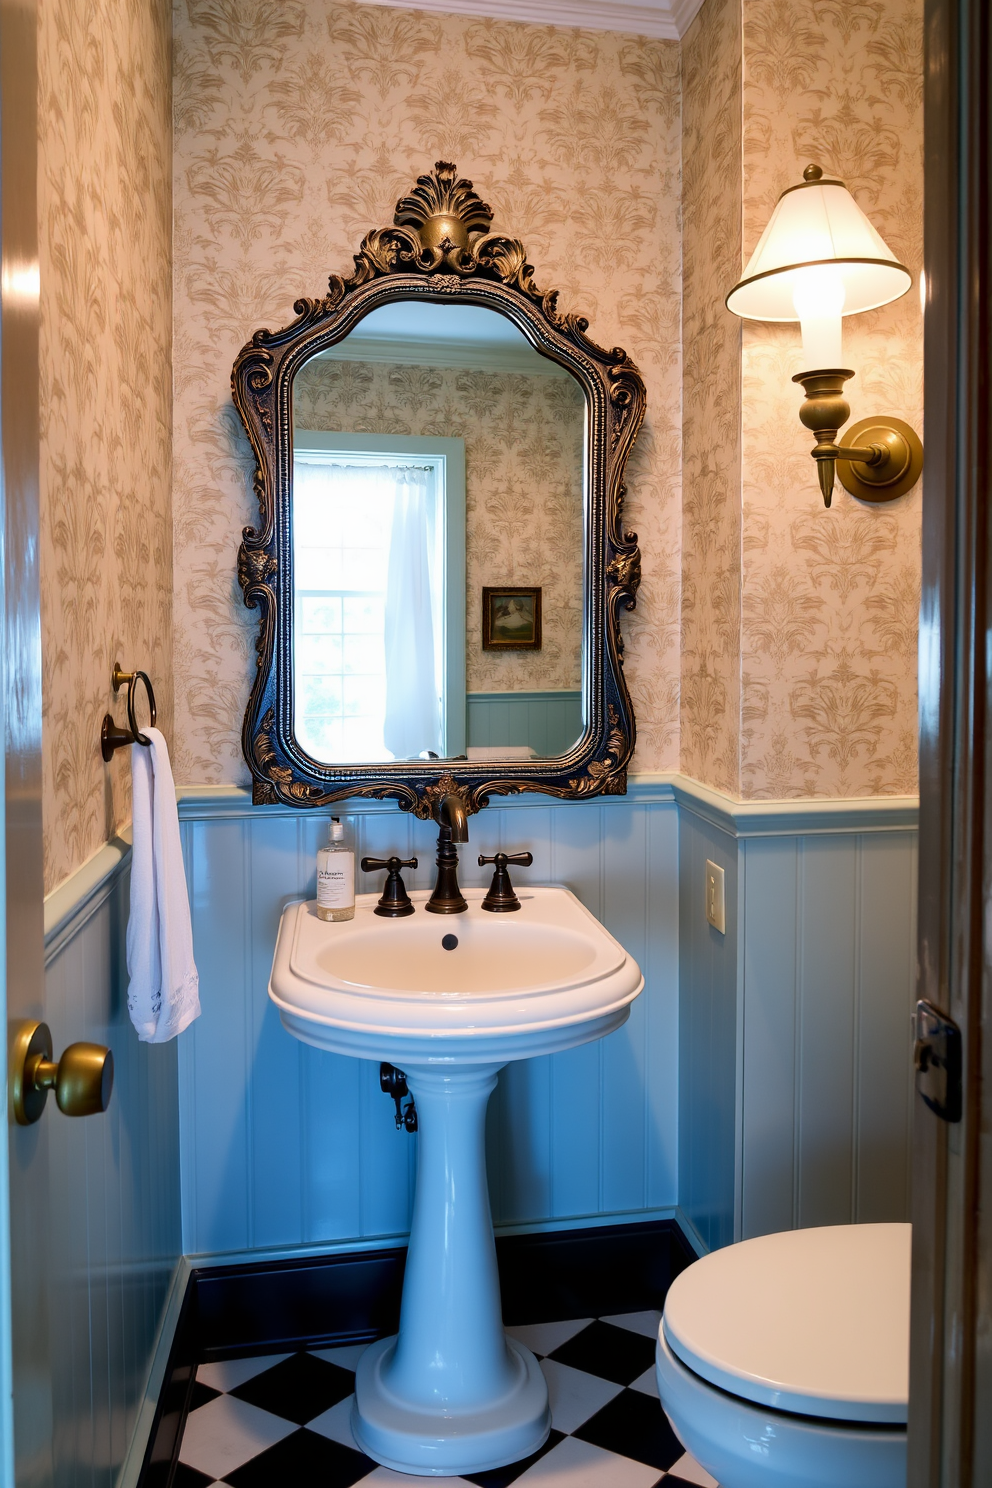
<point>336,873</point>
<point>336,880</point>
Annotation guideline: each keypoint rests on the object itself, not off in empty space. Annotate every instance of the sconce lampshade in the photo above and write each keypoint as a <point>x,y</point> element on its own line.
<point>818,260</point>
<point>817,226</point>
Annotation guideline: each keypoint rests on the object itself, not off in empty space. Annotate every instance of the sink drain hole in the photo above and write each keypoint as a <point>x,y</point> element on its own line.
<point>449,942</point>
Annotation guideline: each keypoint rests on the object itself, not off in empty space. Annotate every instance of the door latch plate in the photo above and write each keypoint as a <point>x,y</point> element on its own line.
<point>937,1057</point>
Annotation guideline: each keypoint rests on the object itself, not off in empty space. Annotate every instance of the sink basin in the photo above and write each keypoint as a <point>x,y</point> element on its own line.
<point>494,957</point>
<point>450,1394</point>
<point>546,977</point>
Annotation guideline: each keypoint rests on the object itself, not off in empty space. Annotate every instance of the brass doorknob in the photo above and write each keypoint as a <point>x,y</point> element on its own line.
<point>82,1079</point>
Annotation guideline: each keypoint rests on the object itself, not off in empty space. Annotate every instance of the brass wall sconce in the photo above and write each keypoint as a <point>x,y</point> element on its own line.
<point>819,259</point>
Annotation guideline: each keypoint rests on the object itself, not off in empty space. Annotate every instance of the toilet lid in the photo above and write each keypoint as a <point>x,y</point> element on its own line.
<point>811,1321</point>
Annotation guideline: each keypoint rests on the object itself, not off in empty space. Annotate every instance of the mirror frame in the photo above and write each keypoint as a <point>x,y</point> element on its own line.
<point>439,250</point>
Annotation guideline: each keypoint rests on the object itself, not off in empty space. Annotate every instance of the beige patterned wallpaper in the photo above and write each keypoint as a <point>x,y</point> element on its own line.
<point>711,397</point>
<point>830,598</point>
<point>523,474</point>
<point>799,624</point>
<point>298,124</point>
<point>106,397</point>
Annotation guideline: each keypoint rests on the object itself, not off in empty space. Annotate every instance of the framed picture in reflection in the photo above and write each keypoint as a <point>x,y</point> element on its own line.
<point>511,619</point>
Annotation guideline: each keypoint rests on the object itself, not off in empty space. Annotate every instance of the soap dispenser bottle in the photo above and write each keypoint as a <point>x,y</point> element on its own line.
<point>336,874</point>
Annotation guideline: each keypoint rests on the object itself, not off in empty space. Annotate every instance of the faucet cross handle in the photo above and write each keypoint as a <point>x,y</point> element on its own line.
<point>395,901</point>
<point>501,898</point>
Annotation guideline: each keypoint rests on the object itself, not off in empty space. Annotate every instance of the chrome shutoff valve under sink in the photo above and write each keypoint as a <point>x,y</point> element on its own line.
<point>449,1002</point>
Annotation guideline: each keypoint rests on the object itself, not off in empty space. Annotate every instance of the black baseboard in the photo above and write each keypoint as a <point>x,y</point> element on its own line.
<point>278,1306</point>
<point>161,1454</point>
<point>589,1273</point>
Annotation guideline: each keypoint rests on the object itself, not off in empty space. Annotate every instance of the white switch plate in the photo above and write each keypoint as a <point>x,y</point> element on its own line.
<point>716,904</point>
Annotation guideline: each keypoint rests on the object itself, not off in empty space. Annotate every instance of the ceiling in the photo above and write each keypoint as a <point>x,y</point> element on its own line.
<point>442,336</point>
<point>667,19</point>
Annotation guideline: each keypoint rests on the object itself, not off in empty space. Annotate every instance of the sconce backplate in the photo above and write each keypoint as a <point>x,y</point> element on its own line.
<point>899,473</point>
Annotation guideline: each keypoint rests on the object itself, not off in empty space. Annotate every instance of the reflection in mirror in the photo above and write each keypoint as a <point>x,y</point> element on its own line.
<point>437,542</point>
<point>378,543</point>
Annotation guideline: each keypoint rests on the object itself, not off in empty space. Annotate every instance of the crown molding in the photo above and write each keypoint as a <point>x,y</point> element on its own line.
<point>411,351</point>
<point>667,20</point>
<point>684,12</point>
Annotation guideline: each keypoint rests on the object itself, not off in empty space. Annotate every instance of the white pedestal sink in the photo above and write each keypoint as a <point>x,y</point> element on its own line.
<point>451,1394</point>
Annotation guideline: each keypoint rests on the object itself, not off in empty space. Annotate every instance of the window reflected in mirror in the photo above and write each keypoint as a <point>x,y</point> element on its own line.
<point>378,541</point>
<point>438,462</point>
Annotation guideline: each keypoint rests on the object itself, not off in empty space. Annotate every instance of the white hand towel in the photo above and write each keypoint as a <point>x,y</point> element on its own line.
<point>163,995</point>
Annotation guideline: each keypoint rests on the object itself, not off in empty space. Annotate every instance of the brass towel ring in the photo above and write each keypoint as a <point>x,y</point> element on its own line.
<point>112,737</point>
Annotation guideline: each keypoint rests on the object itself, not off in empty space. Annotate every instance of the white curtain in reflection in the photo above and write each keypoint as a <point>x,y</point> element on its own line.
<point>413,714</point>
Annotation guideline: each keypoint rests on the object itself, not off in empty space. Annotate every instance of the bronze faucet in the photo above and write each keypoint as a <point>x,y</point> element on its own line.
<point>447,897</point>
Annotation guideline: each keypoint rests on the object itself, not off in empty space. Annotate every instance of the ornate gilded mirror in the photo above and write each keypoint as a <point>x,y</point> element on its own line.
<point>440,563</point>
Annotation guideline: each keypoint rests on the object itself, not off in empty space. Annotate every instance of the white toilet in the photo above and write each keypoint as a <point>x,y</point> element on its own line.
<point>783,1362</point>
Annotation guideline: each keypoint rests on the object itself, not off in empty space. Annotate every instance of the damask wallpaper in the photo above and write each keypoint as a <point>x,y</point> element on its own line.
<point>298,123</point>
<point>773,650</point>
<point>106,397</point>
<point>711,397</point>
<point>799,623</point>
<point>830,598</point>
<point>523,473</point>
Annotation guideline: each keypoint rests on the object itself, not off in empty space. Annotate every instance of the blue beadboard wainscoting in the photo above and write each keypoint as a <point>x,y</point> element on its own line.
<point>286,1145</point>
<point>796,1079</point>
<point>550,722</point>
<point>763,1079</point>
<point>114,1183</point>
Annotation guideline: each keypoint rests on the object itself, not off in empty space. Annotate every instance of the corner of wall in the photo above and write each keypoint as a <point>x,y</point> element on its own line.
<point>105,250</point>
<point>799,625</point>
<point>709,1088</point>
<point>830,598</point>
<point>711,422</point>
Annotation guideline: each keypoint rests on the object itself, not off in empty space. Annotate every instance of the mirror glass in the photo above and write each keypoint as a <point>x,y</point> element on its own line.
<point>437,509</point>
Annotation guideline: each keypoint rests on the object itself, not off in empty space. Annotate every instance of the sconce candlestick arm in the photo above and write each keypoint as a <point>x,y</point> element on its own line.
<point>827,453</point>
<point>877,471</point>
<point>875,454</point>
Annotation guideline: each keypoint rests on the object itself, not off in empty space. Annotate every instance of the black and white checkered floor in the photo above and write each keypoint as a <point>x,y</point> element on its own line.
<point>283,1420</point>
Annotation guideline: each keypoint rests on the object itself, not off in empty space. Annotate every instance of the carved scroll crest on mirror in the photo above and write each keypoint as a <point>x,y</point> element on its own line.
<point>439,250</point>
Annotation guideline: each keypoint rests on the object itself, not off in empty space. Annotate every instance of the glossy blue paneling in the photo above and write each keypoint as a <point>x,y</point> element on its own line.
<point>786,1100</point>
<point>770,1072</point>
<point>284,1145</point>
<point>827,994</point>
<point>761,1081</point>
<point>708,1026</point>
<point>114,1201</point>
<point>883,1081</point>
<point>828,988</point>
<point>550,722</point>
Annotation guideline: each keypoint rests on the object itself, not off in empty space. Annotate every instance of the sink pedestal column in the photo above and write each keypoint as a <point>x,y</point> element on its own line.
<point>450,1394</point>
